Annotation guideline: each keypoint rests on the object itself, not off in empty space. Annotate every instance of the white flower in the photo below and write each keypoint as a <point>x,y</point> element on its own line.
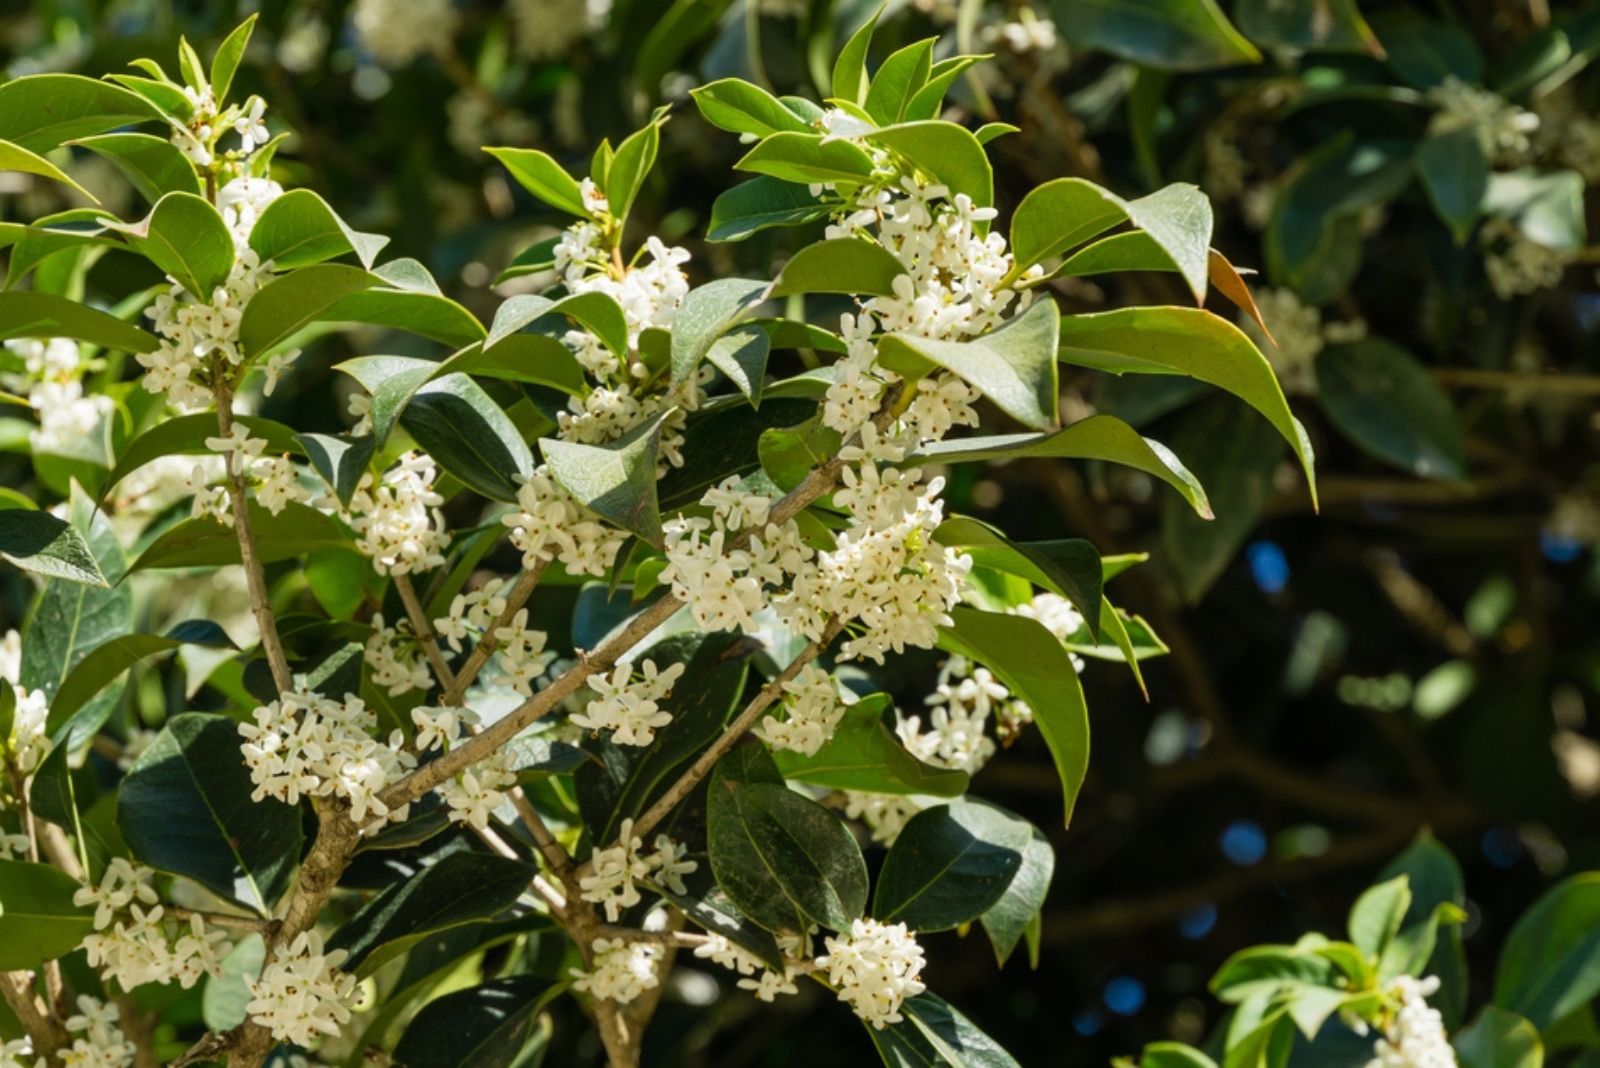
<point>1503,129</point>
<point>757,976</point>
<point>304,744</point>
<point>147,946</point>
<point>97,1040</point>
<point>29,743</point>
<point>550,28</point>
<point>474,794</point>
<point>813,708</point>
<point>874,969</point>
<point>620,971</point>
<point>885,815</point>
<point>474,609</point>
<point>1415,1036</point>
<point>552,525</point>
<point>398,31</point>
<point>242,201</point>
<point>279,484</point>
<point>18,1053</point>
<point>522,656</point>
<point>441,728</point>
<point>394,666</point>
<point>302,995</point>
<point>397,520</point>
<point>122,884</point>
<point>613,874</point>
<point>627,706</point>
<point>250,125</point>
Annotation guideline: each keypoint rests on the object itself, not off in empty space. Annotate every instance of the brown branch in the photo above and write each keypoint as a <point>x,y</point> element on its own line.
<point>255,578</point>
<point>45,1032</point>
<point>490,641</point>
<point>423,629</point>
<point>1518,381</point>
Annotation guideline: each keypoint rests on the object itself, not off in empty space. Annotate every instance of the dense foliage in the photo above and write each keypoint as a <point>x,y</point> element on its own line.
<point>495,667</point>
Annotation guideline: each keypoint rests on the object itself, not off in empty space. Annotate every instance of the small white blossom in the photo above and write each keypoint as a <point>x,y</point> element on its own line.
<point>474,794</point>
<point>621,970</point>
<point>629,706</point>
<point>813,707</point>
<point>874,969</point>
<point>302,995</point>
<point>1415,1036</point>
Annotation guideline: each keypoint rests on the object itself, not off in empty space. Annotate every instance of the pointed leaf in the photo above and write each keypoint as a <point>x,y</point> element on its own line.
<point>40,111</point>
<point>40,543</point>
<point>38,921</point>
<point>541,175</point>
<point>617,481</point>
<point>153,165</point>
<point>299,228</point>
<point>295,300</point>
<point>45,315</point>
<point>16,158</point>
<point>737,106</point>
<point>840,265</point>
<point>761,203</point>
<point>807,158</point>
<point>185,236</point>
<point>470,436</point>
<point>950,864</point>
<point>707,312</point>
<point>864,754</point>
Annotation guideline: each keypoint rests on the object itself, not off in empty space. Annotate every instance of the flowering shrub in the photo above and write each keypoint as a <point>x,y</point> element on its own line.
<point>577,637</point>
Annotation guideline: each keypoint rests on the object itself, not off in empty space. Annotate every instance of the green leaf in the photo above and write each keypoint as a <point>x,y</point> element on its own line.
<point>461,888</point>
<point>471,437</point>
<point>299,229</point>
<point>1236,456</point>
<point>1173,1055</point>
<point>950,864</point>
<point>38,921</point>
<point>735,105</point>
<point>849,81</point>
<point>1007,919</point>
<point>1550,964</point>
<point>741,355</point>
<point>599,313</point>
<point>485,1026</point>
<point>1547,208</point>
<point>1186,341</point>
<point>759,204</point>
<point>934,1035</point>
<point>165,96</point>
<point>185,435</point>
<point>341,460</point>
<point>635,156</point>
<point>1435,880</point>
<point>864,754</point>
<point>1178,217</point>
<point>185,236</point>
<point>1013,365</point>
<point>1499,1039</point>
<point>16,158</point>
<point>991,130</point>
<point>1034,666</point>
<point>1069,567</point>
<point>106,661</point>
<point>616,481</point>
<point>40,543</point>
<point>1425,52</point>
<point>45,315</point>
<point>680,27</point>
<point>541,175</point>
<point>807,158</point>
<point>1099,437</point>
<point>1382,399</point>
<point>535,358</point>
<point>295,300</point>
<point>185,808</point>
<point>293,532</point>
<point>1059,215</point>
<point>1455,174</point>
<point>406,297</point>
<point>391,381</point>
<point>1169,34</point>
<point>897,80</point>
<point>707,312</point>
<point>786,861</point>
<point>1266,969</point>
<point>78,228</point>
<point>1375,917</point>
<point>946,152</point>
<point>840,265</point>
<point>40,111</point>
<point>153,165</point>
<point>229,54</point>
<point>929,100</point>
<point>1306,25</point>
<point>539,256</point>
<point>223,1001</point>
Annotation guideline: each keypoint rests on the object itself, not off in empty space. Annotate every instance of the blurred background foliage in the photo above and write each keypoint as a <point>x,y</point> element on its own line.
<point>1411,180</point>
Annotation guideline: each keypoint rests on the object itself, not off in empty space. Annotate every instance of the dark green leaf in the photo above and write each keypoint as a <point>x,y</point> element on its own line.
<point>950,864</point>
<point>1306,25</point>
<point>41,111</point>
<point>483,1026</point>
<point>39,542</point>
<point>864,754</point>
<point>934,1035</point>
<point>599,313</point>
<point>38,921</point>
<point>293,532</point>
<point>407,298</point>
<point>295,300</point>
<point>1008,919</point>
<point>760,203</point>
<point>45,315</point>
<point>1455,173</point>
<point>185,435</point>
<point>1069,567</point>
<point>1170,34</point>
<point>1550,964</point>
<point>616,481</point>
<point>470,436</point>
<point>341,460</point>
<point>741,355</point>
<point>785,860</point>
<point>391,381</point>
<point>1387,403</point>
<point>185,808</point>
<point>111,658</point>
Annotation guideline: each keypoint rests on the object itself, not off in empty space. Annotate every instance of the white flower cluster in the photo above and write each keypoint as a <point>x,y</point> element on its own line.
<point>758,976</point>
<point>392,655</point>
<point>304,744</point>
<point>135,942</point>
<point>1568,131</point>
<point>724,587</point>
<point>200,332</point>
<point>52,380</point>
<point>547,29</point>
<point>198,135</point>
<point>97,1038</point>
<point>302,995</point>
<point>1516,264</point>
<point>1299,334</point>
<point>620,971</point>
<point>874,968</point>
<point>628,705</point>
<point>397,519</point>
<point>1415,1036</point>
<point>18,1053</point>
<point>1504,130</point>
<point>397,31</point>
<point>550,524</point>
<point>473,794</point>
<point>276,478</point>
<point>885,815</point>
<point>29,742</point>
<point>1028,33</point>
<point>617,870</point>
<point>472,611</point>
<point>813,707</point>
<point>959,711</point>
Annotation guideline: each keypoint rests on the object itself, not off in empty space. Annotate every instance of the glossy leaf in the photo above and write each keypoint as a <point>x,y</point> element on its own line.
<point>293,532</point>
<point>841,265</point>
<point>1035,667</point>
<point>299,228</point>
<point>616,481</point>
<point>186,237</point>
<point>1013,365</point>
<point>705,315</point>
<point>471,437</point>
<point>737,106</point>
<point>599,313</point>
<point>807,158</point>
<point>185,808</point>
<point>1455,173</point>
<point>1060,215</point>
<point>40,111</point>
<point>897,79</point>
<point>1007,920</point>
<point>542,176</point>
<point>1069,567</point>
<point>1169,34</point>
<point>849,80</point>
<point>295,300</point>
<point>934,1035</point>
<point>761,203</point>
<point>45,315</point>
<point>944,150</point>
<point>153,165</point>
<point>484,1026</point>
<point>38,542</point>
<point>950,864</point>
<point>1550,963</point>
<point>19,159</point>
<point>185,435</point>
<point>1381,398</point>
<point>864,754</point>
<point>38,921</point>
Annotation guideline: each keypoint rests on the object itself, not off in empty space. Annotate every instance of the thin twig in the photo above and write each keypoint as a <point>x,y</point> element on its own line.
<point>44,1031</point>
<point>255,578</point>
<point>423,629</point>
<point>221,919</point>
<point>1518,381</point>
<point>490,641</point>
